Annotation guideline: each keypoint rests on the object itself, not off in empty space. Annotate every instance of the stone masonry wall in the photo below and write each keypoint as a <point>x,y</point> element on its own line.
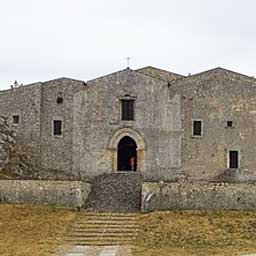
<point>215,97</point>
<point>24,101</point>
<point>116,192</point>
<point>164,111</point>
<point>56,151</point>
<point>60,193</point>
<point>198,196</point>
<point>98,118</point>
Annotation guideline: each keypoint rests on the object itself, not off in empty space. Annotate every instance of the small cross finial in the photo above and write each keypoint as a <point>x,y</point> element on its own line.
<point>128,61</point>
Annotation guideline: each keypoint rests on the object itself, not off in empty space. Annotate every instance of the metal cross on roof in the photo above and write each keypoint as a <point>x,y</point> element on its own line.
<point>128,61</point>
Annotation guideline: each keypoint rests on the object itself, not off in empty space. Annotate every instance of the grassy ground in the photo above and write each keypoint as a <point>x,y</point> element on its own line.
<point>27,230</point>
<point>38,231</point>
<point>197,233</point>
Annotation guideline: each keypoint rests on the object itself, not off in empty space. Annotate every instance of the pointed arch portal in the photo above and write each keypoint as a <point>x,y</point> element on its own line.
<point>127,154</point>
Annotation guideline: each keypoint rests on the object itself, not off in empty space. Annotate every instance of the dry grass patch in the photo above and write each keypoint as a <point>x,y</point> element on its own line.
<point>38,231</point>
<point>32,230</point>
<point>197,233</point>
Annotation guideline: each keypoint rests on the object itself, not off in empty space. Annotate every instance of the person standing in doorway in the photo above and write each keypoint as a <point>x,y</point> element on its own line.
<point>132,163</point>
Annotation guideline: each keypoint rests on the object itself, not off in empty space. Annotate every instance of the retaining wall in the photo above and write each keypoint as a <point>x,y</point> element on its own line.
<point>59,193</point>
<point>198,196</point>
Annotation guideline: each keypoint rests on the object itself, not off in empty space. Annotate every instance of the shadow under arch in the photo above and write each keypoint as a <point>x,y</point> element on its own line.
<point>117,136</point>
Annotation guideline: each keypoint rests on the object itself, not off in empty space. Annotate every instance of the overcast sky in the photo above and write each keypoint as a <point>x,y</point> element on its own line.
<point>82,39</point>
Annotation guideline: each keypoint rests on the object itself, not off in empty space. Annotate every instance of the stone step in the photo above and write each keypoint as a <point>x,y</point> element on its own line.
<point>104,223</point>
<point>100,222</point>
<point>109,218</point>
<point>115,214</point>
<point>104,229</point>
<point>99,241</point>
<point>101,231</point>
<point>101,244</point>
<point>102,235</point>
<point>107,230</point>
<point>115,192</point>
<point>116,226</point>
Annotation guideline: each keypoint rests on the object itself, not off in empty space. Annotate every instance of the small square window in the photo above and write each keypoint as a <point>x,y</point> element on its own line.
<point>57,127</point>
<point>197,128</point>
<point>16,119</point>
<point>127,110</point>
<point>229,124</point>
<point>59,100</point>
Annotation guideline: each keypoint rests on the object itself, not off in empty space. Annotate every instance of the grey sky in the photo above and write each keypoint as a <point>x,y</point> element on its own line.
<point>82,39</point>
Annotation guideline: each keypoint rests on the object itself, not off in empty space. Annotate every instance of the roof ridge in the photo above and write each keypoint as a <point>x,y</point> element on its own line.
<point>127,69</point>
<point>160,69</point>
<point>60,78</point>
<point>109,74</point>
<point>218,68</point>
<point>152,77</point>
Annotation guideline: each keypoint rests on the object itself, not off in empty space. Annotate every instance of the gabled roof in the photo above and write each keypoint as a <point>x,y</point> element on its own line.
<point>221,70</point>
<point>45,83</point>
<point>63,78</point>
<point>160,74</point>
<point>131,71</point>
<point>111,74</point>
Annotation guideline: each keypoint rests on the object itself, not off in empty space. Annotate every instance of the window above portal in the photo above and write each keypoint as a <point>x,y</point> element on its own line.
<point>127,109</point>
<point>127,106</point>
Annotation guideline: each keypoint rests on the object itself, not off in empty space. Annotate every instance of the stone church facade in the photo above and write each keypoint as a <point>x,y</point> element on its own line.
<point>154,122</point>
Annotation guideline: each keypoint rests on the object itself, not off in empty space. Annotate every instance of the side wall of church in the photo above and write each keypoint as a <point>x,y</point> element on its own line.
<point>216,97</point>
<point>97,117</point>
<point>24,101</point>
<point>56,151</point>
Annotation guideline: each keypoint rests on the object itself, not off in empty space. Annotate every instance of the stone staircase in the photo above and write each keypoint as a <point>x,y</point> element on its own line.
<point>104,229</point>
<point>115,192</point>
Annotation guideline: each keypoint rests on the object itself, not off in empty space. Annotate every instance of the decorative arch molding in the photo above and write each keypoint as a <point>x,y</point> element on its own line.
<point>136,136</point>
<point>120,133</point>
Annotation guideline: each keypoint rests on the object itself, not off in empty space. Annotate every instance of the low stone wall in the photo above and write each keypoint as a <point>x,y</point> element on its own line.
<point>198,196</point>
<point>59,193</point>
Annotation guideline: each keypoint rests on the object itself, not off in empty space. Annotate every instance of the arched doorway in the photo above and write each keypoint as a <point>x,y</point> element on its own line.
<point>127,154</point>
<point>140,143</point>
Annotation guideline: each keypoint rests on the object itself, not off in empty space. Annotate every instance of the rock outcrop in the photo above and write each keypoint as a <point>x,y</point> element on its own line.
<point>7,142</point>
<point>13,162</point>
<point>17,163</point>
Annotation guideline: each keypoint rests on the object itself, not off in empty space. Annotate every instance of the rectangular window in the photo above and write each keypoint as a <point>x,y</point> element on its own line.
<point>197,128</point>
<point>57,127</point>
<point>127,109</point>
<point>229,124</point>
<point>15,119</point>
<point>233,159</point>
